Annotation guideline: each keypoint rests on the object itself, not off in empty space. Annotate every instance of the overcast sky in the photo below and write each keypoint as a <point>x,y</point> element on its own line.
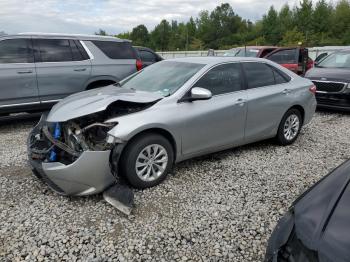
<point>114,16</point>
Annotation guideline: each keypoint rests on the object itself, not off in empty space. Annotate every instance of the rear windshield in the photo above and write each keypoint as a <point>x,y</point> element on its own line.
<point>336,60</point>
<point>163,77</point>
<point>116,50</point>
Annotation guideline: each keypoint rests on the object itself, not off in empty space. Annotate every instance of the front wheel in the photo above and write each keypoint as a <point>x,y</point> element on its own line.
<point>147,160</point>
<point>289,127</point>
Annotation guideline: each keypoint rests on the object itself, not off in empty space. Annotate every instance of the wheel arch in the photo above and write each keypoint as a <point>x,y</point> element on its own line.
<point>300,109</point>
<point>100,79</point>
<point>156,130</point>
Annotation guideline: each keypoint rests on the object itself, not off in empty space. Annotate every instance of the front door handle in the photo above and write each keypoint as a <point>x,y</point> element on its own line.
<point>286,91</point>
<point>25,72</point>
<point>80,69</point>
<point>240,101</point>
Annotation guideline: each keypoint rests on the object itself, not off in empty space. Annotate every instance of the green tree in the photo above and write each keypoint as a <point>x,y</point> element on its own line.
<point>303,18</point>
<point>285,18</point>
<point>321,22</point>
<point>139,35</point>
<point>271,27</point>
<point>341,22</point>
<point>125,35</point>
<point>160,36</point>
<point>293,37</point>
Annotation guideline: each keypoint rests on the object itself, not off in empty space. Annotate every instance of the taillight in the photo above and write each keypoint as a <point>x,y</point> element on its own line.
<point>138,65</point>
<point>313,89</point>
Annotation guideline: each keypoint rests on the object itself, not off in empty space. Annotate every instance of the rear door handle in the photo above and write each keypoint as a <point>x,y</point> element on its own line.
<point>240,101</point>
<point>25,72</point>
<point>80,69</point>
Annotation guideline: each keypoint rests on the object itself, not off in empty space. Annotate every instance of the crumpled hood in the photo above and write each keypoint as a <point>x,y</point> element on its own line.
<point>331,74</point>
<point>96,100</point>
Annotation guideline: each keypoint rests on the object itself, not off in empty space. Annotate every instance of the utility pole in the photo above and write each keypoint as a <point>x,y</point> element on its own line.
<point>186,38</point>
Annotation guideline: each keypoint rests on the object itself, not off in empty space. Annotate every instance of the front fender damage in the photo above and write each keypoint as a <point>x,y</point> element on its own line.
<point>72,161</point>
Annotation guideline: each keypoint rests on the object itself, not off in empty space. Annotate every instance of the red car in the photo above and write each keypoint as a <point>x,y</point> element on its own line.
<point>295,59</point>
<point>250,51</point>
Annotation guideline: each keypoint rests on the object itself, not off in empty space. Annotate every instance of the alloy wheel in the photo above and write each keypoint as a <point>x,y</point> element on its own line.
<point>291,127</point>
<point>151,162</point>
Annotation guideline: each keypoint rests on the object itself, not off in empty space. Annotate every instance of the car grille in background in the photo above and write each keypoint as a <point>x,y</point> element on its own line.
<point>330,87</point>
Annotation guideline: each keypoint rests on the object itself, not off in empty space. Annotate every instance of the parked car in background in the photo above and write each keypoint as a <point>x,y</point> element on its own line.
<point>37,70</point>
<point>332,79</point>
<point>250,51</point>
<point>320,57</point>
<point>295,59</point>
<point>171,111</point>
<point>147,56</point>
<point>317,225</point>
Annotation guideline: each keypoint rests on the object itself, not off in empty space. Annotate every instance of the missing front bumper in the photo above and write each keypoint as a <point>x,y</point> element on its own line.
<point>89,173</point>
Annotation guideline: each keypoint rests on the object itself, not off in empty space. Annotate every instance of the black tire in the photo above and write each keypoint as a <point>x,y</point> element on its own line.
<point>281,137</point>
<point>98,84</point>
<point>130,155</point>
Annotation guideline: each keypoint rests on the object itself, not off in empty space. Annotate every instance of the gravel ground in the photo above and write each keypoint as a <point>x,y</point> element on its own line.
<point>222,207</point>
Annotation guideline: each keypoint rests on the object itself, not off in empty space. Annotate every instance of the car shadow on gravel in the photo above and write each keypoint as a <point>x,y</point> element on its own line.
<point>20,119</point>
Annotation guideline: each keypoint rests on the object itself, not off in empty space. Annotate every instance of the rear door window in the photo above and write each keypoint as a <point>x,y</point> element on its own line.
<point>222,79</point>
<point>147,56</point>
<point>16,51</point>
<point>116,50</point>
<point>258,75</point>
<point>288,56</point>
<point>280,77</point>
<point>54,50</point>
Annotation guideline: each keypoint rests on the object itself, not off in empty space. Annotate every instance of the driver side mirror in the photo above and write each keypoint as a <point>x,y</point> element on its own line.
<point>199,93</point>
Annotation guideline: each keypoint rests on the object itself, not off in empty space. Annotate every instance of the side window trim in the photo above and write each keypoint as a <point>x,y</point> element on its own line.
<point>282,74</point>
<point>204,73</point>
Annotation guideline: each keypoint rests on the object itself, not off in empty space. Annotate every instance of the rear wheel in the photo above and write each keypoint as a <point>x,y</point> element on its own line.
<point>289,127</point>
<point>147,160</point>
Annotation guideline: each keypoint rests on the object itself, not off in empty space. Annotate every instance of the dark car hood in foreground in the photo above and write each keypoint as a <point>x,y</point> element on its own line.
<point>96,100</point>
<point>320,219</point>
<point>331,74</point>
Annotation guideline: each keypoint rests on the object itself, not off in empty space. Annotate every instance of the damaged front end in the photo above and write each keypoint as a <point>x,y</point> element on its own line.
<point>72,161</point>
<point>75,157</point>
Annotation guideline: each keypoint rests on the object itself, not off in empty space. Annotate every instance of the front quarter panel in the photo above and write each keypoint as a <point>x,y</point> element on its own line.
<point>160,117</point>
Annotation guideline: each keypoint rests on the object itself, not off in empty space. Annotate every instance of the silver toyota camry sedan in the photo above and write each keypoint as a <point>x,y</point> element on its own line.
<point>170,111</point>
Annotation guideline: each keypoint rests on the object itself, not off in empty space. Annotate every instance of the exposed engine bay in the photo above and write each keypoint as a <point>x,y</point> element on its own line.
<point>65,141</point>
<point>73,157</point>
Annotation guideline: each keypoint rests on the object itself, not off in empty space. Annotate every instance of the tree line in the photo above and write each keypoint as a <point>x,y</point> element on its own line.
<point>312,24</point>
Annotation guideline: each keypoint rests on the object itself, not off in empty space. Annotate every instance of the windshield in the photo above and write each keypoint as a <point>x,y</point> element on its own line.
<point>242,52</point>
<point>336,60</point>
<point>231,52</point>
<point>163,77</point>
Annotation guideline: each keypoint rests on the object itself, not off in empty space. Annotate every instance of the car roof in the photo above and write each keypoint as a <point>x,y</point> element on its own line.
<point>211,60</point>
<point>70,36</point>
<point>254,47</point>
